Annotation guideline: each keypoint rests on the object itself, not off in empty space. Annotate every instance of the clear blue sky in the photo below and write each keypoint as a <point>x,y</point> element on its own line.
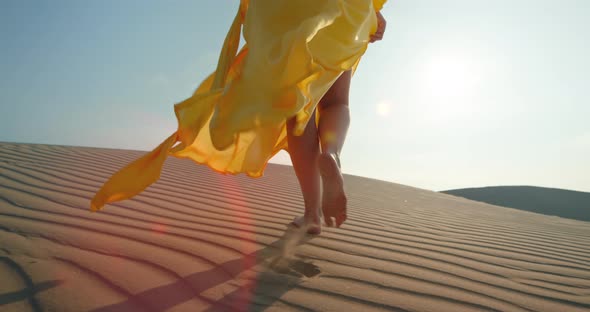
<point>460,93</point>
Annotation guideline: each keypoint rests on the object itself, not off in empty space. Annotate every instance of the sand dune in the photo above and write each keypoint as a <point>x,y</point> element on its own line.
<point>197,240</point>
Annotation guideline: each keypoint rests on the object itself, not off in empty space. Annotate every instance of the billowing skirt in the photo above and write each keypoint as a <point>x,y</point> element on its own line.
<point>236,119</point>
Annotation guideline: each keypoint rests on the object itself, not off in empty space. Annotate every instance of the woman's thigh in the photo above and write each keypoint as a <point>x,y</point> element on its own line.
<point>338,92</point>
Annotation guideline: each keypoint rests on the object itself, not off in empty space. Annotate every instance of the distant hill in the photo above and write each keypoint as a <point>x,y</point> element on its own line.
<point>548,201</point>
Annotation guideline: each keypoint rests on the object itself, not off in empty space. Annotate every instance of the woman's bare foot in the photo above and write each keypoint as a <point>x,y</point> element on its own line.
<point>312,227</point>
<point>333,198</point>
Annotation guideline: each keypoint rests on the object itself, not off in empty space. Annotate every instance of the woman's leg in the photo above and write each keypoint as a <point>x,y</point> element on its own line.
<point>308,163</point>
<point>304,151</point>
<point>333,126</point>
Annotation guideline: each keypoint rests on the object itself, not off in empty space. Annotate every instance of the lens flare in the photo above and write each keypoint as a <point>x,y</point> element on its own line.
<point>384,108</point>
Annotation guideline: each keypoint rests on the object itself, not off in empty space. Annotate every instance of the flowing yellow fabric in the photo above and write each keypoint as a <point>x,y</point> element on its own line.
<point>235,120</point>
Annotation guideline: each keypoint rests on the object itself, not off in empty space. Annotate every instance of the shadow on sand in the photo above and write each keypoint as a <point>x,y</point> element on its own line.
<point>29,291</point>
<point>281,272</point>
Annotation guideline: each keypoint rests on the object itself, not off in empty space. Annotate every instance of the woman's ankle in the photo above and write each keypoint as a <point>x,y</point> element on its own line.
<point>313,218</point>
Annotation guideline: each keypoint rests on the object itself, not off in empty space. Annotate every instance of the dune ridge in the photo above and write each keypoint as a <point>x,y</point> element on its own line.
<point>198,240</point>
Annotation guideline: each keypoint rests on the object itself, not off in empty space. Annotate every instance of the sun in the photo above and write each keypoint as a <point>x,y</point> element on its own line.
<point>448,77</point>
<point>448,83</point>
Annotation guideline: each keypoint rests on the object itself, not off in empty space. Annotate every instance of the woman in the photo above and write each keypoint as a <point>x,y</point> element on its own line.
<point>264,98</point>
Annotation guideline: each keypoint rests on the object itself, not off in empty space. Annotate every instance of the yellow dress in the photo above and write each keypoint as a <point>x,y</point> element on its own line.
<point>235,120</point>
